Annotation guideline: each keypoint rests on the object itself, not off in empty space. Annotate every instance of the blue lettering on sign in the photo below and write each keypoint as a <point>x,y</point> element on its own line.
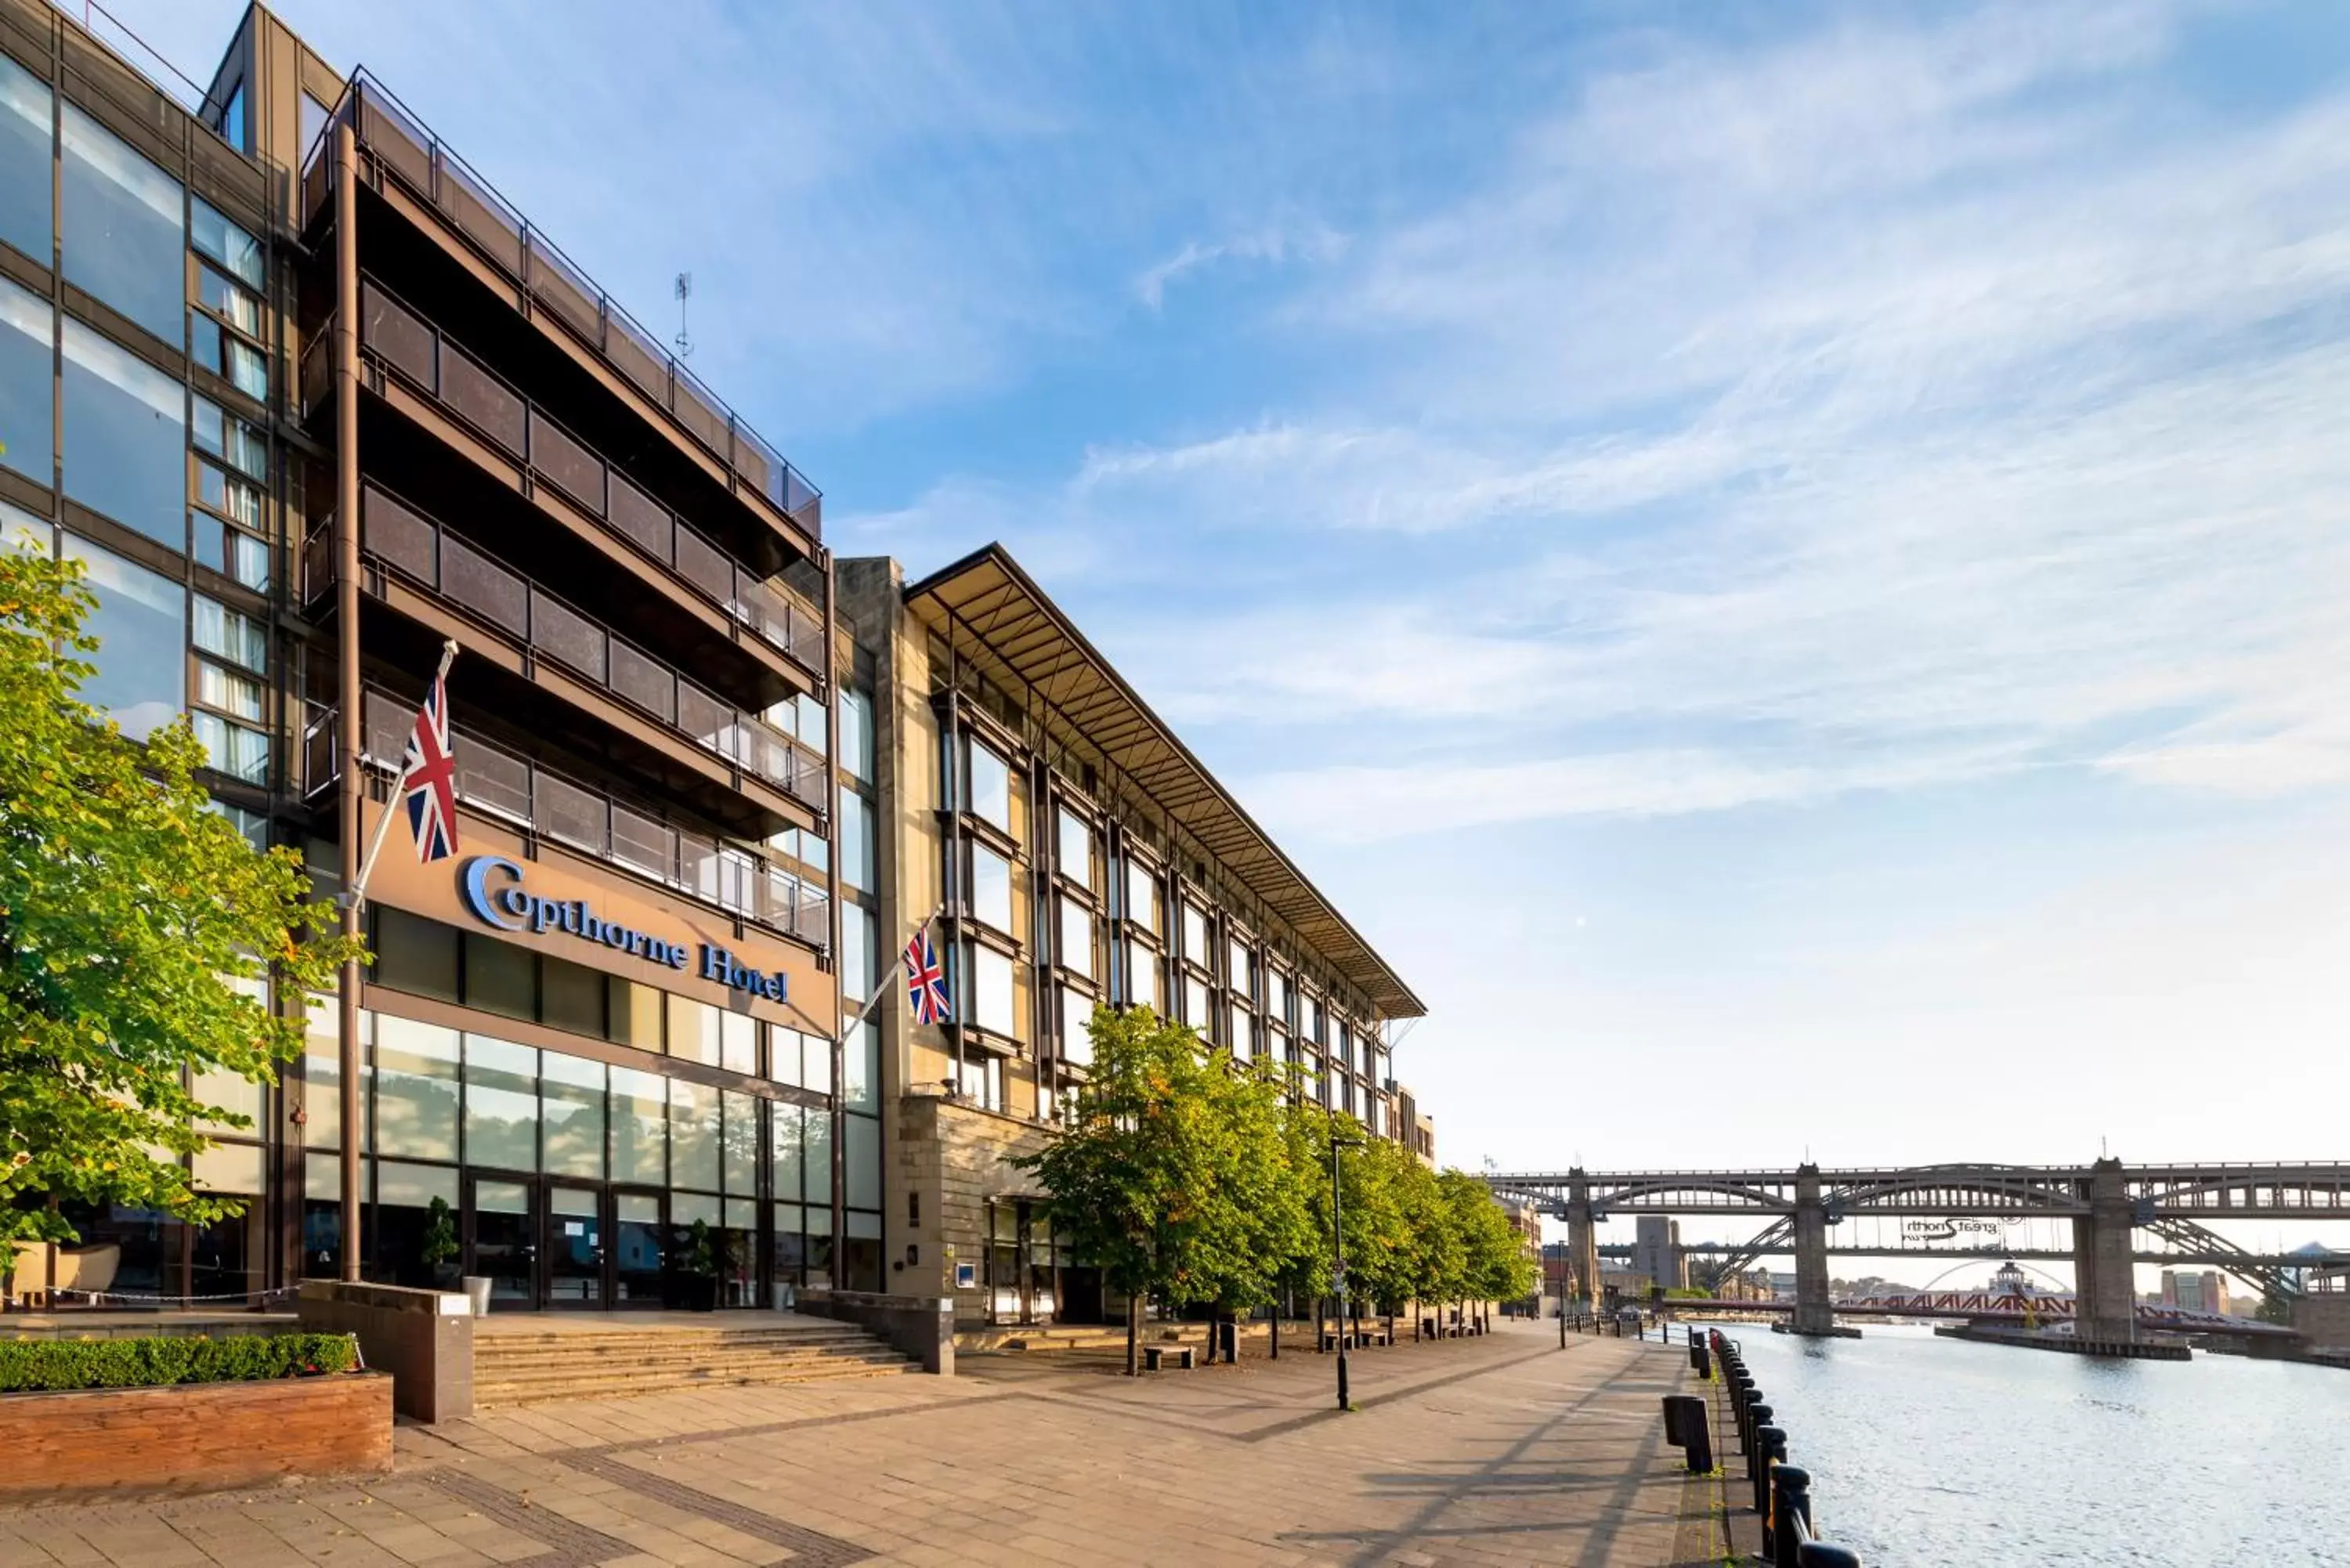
<point>491,888</point>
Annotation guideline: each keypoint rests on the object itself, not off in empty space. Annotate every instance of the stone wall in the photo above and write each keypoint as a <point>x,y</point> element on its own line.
<point>2324,1318</point>
<point>956,1158</point>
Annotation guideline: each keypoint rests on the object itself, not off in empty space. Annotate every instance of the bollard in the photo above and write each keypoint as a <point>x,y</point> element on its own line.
<point>1820,1554</point>
<point>1758,1415</point>
<point>1699,1362</point>
<point>1770,1448</point>
<point>1695,1425</point>
<point>1791,1502</point>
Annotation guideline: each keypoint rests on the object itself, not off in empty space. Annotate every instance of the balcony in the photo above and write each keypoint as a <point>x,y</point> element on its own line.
<point>405,151</point>
<point>498,783</point>
<point>406,344</point>
<point>403,541</point>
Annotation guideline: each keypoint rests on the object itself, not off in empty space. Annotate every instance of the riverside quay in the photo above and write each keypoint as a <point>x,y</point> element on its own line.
<point>314,402</point>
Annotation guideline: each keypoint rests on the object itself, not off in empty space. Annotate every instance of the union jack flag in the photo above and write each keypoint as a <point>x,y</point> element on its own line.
<point>429,775</point>
<point>926,979</point>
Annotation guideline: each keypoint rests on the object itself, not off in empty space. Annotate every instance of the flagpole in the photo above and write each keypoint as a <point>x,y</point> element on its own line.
<point>383,823</point>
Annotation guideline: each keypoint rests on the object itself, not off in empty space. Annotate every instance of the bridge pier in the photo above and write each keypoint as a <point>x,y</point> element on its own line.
<point>1815,1313</point>
<point>2105,1283</point>
<point>1582,1241</point>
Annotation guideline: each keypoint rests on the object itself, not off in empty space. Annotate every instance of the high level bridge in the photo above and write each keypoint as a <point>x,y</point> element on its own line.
<point>2107,1204</point>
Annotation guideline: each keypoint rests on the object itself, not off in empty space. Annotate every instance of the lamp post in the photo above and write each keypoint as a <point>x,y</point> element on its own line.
<point>1338,1252</point>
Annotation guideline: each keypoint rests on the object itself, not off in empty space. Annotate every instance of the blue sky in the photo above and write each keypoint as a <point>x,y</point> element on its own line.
<point>1787,562</point>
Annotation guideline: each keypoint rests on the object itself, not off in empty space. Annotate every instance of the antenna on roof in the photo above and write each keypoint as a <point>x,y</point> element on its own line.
<point>685,292</point>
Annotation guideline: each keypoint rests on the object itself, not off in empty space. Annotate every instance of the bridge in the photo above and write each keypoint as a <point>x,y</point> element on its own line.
<point>1989,1306</point>
<point>2107,1203</point>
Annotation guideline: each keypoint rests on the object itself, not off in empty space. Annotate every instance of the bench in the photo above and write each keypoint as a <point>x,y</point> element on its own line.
<point>1153,1354</point>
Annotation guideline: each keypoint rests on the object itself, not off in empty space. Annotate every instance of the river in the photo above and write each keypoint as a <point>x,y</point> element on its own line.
<point>1938,1452</point>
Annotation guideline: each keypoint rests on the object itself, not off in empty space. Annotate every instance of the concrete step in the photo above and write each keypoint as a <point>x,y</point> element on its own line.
<point>523,1367</point>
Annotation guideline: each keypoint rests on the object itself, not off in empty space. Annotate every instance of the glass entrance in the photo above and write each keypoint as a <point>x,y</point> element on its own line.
<point>502,1239</point>
<point>639,1235</point>
<point>574,1246</point>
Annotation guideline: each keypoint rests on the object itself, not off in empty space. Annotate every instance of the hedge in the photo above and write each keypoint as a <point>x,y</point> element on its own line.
<point>28,1365</point>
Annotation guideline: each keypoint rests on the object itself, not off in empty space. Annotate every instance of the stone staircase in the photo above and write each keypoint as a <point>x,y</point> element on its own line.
<point>537,1366</point>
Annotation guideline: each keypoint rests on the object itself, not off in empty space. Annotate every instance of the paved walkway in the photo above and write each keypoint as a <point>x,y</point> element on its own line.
<point>1503,1449</point>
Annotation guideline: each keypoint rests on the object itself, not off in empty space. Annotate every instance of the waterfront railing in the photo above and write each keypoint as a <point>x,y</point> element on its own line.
<point>1782,1491</point>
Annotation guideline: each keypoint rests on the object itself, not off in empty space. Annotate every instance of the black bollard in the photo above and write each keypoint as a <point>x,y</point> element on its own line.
<point>1758,1417</point>
<point>1699,1362</point>
<point>1770,1448</point>
<point>1820,1554</point>
<point>1695,1425</point>
<point>1790,1501</point>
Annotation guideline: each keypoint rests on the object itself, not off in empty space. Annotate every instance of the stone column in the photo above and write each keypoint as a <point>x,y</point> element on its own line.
<point>1814,1312</point>
<point>1582,1242</point>
<point>2104,1287</point>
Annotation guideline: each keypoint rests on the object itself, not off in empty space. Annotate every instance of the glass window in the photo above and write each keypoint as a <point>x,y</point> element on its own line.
<point>787,1139</point>
<point>415,1088</point>
<point>1077,937</point>
<point>229,356</point>
<point>632,1013</point>
<point>571,1099</point>
<point>126,440</point>
<point>860,1160</point>
<point>1240,968</point>
<point>1195,935</point>
<point>229,552</point>
<point>990,888</point>
<point>783,1054</point>
<point>501,976</point>
<point>224,299</point>
<point>228,1168</point>
<point>1077,847</point>
<point>232,497</point>
<point>314,126</point>
<point>740,1114</point>
<point>141,623</point>
<point>322,1074</point>
<point>1277,995</point>
<point>991,989</point>
<point>414,955</point>
<point>991,787</point>
<point>29,331</point>
<point>232,749</point>
<point>693,1135</point>
<point>738,1043</point>
<point>1195,1002</point>
<point>815,1147</point>
<point>639,1127</point>
<point>810,723</point>
<point>693,1030</point>
<point>237,638</point>
<point>25,144</point>
<point>501,1104</point>
<point>242,446</point>
<point>1141,896</point>
<point>857,734</point>
<point>861,1067</point>
<point>1244,1033</point>
<point>231,121</point>
<point>1142,977</point>
<point>856,840</point>
<point>1076,1017</point>
<point>215,236</point>
<point>125,227</point>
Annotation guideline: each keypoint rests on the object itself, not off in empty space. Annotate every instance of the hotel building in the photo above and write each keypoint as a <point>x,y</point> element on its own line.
<point>1074,853</point>
<point>310,397</point>
<point>312,400</point>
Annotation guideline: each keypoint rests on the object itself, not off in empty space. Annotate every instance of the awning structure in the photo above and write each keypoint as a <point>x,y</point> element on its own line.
<point>994,614</point>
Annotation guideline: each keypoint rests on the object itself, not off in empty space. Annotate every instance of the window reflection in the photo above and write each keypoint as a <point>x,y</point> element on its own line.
<point>28,378</point>
<point>142,626</point>
<point>126,441</point>
<point>24,162</point>
<point>125,227</point>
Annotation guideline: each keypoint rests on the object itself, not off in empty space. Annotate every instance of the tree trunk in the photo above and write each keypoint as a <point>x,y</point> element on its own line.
<point>1134,1336</point>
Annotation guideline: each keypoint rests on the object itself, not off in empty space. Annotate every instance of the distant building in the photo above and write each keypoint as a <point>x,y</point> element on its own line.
<point>1656,1252</point>
<point>2196,1290</point>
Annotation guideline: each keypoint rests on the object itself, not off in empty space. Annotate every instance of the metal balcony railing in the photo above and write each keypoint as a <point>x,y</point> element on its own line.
<point>404,342</point>
<point>403,540</point>
<point>494,781</point>
<point>406,151</point>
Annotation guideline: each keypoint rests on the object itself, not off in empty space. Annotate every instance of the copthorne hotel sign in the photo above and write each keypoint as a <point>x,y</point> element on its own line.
<point>491,888</point>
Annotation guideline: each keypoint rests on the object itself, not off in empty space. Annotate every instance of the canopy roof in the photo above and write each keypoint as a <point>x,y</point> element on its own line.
<point>994,615</point>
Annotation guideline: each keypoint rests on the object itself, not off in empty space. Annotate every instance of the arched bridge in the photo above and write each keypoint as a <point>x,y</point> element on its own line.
<point>2106,1203</point>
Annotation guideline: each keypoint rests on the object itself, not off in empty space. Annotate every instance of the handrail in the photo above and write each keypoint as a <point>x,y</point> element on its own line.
<point>411,346</point>
<point>497,782</point>
<point>404,540</point>
<point>411,153</point>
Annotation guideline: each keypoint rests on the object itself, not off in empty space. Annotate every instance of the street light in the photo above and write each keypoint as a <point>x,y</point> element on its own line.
<point>1339,1250</point>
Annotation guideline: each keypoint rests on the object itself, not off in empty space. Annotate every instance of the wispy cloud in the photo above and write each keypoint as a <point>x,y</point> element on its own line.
<point>1314,242</point>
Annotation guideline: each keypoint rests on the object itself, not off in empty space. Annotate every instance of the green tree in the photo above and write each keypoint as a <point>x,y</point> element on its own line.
<point>2274,1307</point>
<point>1142,1178</point>
<point>1496,1265</point>
<point>134,921</point>
<point>1260,1213</point>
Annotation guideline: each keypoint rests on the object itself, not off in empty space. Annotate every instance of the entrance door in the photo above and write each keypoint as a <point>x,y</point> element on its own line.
<point>501,1237</point>
<point>640,1248</point>
<point>575,1249</point>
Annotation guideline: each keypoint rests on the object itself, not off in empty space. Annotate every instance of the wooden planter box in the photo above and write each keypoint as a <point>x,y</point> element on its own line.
<point>91,1444</point>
